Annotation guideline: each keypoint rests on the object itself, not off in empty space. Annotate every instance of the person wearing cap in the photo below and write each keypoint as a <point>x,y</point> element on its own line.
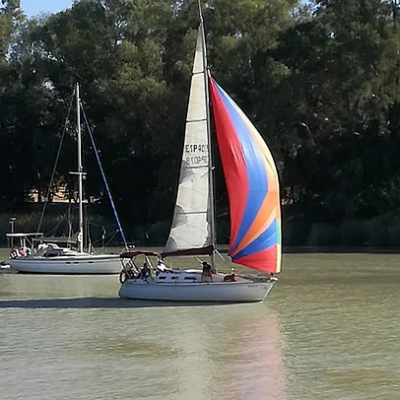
<point>207,271</point>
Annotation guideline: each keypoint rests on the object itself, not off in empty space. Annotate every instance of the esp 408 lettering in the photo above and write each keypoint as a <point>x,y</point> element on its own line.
<point>196,148</point>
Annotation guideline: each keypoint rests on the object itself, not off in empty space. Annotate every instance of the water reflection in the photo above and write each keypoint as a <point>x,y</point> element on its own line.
<point>94,302</point>
<point>225,353</point>
<point>251,364</point>
<point>76,337</point>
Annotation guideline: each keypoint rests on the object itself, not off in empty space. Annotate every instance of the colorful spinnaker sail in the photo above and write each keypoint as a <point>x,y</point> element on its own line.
<point>253,186</point>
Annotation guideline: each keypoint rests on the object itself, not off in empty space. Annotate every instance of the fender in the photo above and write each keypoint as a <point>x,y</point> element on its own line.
<point>122,277</point>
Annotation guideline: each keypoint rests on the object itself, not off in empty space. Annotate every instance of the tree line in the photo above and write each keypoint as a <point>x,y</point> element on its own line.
<point>320,80</point>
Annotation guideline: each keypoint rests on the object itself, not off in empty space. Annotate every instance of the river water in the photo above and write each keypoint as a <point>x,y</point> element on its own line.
<point>328,330</point>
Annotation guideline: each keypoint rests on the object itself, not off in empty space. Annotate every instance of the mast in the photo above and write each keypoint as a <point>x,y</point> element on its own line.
<point>210,152</point>
<point>80,170</point>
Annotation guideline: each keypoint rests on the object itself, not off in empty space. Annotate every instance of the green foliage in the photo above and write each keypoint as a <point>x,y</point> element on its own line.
<point>320,82</point>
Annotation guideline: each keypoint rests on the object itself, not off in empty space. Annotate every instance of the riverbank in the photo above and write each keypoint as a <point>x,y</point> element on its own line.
<point>377,234</point>
<point>4,252</point>
<point>340,250</point>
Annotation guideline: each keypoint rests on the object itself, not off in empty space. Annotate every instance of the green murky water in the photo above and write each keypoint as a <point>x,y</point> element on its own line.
<point>328,330</point>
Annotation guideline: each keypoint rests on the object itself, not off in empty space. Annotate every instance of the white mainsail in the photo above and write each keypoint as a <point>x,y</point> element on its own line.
<point>191,222</point>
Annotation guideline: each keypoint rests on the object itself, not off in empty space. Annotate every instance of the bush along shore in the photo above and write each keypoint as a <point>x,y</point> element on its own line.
<point>379,232</point>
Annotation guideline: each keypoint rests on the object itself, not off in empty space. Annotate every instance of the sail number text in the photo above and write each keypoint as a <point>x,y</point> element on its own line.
<point>198,159</point>
<point>196,148</point>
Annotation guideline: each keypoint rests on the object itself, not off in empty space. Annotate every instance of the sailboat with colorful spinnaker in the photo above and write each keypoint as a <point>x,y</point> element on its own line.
<point>254,201</point>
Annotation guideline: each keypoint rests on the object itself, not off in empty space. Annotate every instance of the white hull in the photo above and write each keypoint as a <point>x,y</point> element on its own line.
<point>230,292</point>
<point>80,264</point>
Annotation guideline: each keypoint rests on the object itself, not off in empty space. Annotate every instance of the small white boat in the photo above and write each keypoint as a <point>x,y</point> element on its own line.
<point>79,264</point>
<point>253,188</point>
<point>49,258</point>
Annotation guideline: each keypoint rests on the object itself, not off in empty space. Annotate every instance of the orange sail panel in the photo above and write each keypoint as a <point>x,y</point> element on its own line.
<point>253,186</point>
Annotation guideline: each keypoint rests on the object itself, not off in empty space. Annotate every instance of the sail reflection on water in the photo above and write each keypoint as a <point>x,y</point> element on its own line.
<point>233,355</point>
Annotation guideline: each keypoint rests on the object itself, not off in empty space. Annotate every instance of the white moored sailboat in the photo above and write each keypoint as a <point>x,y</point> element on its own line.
<point>49,258</point>
<point>253,189</point>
